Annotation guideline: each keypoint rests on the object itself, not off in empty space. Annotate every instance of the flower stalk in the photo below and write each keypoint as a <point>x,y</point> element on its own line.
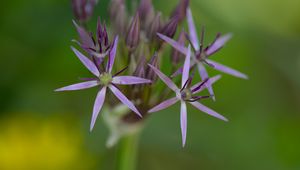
<point>127,152</point>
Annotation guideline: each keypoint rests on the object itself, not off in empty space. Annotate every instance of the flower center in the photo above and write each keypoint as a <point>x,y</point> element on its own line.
<point>186,94</point>
<point>105,78</point>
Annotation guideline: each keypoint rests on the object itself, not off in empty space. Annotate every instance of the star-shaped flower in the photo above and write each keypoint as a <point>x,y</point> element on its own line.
<point>201,54</point>
<point>97,47</point>
<point>185,94</point>
<point>106,81</point>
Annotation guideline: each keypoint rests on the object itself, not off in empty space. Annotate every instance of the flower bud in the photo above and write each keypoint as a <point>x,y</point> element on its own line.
<point>102,37</point>
<point>150,74</point>
<point>180,10</point>
<point>155,26</point>
<point>118,16</point>
<point>146,12</point>
<point>83,9</point>
<point>133,33</point>
<point>145,8</point>
<point>170,28</point>
<point>140,69</point>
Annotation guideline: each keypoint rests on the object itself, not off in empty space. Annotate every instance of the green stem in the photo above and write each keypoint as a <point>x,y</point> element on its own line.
<point>127,152</point>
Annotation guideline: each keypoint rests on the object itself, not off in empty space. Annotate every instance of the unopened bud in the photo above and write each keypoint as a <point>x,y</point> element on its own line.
<point>133,34</point>
<point>155,26</point>
<point>146,12</point>
<point>145,8</point>
<point>140,69</point>
<point>102,37</point>
<point>170,28</point>
<point>180,10</point>
<point>83,9</point>
<point>118,16</point>
<point>150,74</point>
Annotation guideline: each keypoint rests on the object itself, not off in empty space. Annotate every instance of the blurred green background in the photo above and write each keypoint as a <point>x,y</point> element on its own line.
<point>40,129</point>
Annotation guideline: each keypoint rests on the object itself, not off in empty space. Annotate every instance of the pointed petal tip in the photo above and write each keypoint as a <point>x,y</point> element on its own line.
<point>91,128</point>
<point>244,76</point>
<point>58,90</point>
<point>140,115</point>
<point>74,22</point>
<point>213,98</point>
<point>222,118</point>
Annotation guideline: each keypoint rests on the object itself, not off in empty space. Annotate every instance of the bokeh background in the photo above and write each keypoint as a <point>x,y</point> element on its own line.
<point>40,129</point>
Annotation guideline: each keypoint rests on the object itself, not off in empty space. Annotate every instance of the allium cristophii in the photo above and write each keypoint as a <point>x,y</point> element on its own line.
<point>185,94</point>
<point>140,36</point>
<point>201,53</point>
<point>105,80</point>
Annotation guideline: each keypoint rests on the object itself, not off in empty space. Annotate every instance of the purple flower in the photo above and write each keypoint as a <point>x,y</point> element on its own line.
<point>201,54</point>
<point>185,94</point>
<point>106,81</point>
<point>97,48</point>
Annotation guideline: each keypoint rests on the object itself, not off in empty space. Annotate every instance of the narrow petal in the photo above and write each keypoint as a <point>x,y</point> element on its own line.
<point>227,70</point>
<point>79,86</point>
<point>204,75</point>
<point>210,82</point>
<point>177,72</point>
<point>219,43</point>
<point>163,105</point>
<point>174,44</point>
<point>127,80</point>
<point>192,30</point>
<point>97,106</point>
<point>112,55</point>
<point>85,38</point>
<point>183,122</point>
<point>87,62</point>
<point>208,110</point>
<point>186,67</point>
<point>124,99</point>
<point>164,78</point>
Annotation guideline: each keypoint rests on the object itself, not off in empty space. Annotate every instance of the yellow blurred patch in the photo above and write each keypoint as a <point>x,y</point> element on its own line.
<point>34,143</point>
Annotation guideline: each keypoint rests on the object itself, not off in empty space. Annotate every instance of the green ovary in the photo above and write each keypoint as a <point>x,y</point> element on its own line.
<point>186,94</point>
<point>105,78</point>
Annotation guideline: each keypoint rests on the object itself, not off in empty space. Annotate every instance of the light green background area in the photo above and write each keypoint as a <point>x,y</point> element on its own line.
<point>40,128</point>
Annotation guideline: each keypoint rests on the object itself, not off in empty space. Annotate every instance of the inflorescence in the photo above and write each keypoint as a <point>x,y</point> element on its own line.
<point>130,52</point>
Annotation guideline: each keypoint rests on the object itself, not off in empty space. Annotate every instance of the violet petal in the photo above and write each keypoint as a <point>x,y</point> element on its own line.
<point>164,78</point>
<point>163,105</point>
<point>186,67</point>
<point>112,55</point>
<point>97,106</point>
<point>208,110</point>
<point>128,80</point>
<point>85,37</point>
<point>226,69</point>
<point>124,99</point>
<point>219,43</point>
<point>204,75</point>
<point>79,86</point>
<point>211,81</point>
<point>176,73</point>
<point>86,62</point>
<point>192,30</point>
<point>183,122</point>
<point>174,44</point>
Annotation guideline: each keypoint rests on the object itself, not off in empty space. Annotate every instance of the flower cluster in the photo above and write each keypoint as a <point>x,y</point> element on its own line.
<point>135,55</point>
